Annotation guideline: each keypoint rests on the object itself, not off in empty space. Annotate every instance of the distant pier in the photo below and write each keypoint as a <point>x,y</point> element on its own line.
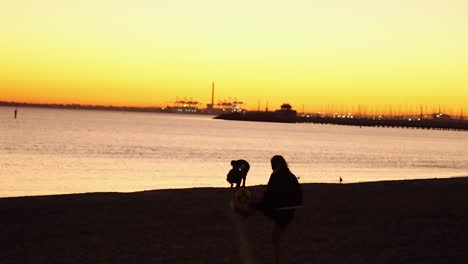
<point>458,125</point>
<point>287,115</point>
<point>450,124</point>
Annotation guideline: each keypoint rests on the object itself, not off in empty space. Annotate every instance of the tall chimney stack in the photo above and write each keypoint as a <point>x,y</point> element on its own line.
<point>212,93</point>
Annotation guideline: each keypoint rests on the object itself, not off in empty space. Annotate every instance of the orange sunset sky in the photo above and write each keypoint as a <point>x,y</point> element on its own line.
<point>314,53</point>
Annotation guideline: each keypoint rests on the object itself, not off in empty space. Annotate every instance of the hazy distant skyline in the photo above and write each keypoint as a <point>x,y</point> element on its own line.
<point>311,53</point>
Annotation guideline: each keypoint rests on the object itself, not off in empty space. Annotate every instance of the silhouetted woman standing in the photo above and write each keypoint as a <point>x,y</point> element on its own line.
<point>280,200</point>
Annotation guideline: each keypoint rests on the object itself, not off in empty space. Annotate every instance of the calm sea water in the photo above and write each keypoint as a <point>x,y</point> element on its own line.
<point>49,151</point>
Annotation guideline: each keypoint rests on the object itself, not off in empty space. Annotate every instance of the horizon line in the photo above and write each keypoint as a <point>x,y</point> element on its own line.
<point>365,112</point>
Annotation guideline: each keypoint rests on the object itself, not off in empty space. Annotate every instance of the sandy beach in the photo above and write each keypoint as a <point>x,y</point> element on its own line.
<point>417,221</point>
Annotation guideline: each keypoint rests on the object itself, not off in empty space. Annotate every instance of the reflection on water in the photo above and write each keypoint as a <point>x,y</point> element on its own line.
<point>47,151</point>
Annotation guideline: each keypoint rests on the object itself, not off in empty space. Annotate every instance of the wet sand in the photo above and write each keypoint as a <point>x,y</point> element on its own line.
<point>419,221</point>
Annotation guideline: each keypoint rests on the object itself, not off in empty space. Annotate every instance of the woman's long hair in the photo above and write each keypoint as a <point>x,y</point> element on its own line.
<point>278,162</point>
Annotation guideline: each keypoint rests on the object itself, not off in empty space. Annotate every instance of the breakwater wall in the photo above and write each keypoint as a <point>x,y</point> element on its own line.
<point>450,124</point>
<point>438,124</point>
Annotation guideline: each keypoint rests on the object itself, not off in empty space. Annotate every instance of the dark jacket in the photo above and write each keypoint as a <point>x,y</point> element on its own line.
<point>283,190</point>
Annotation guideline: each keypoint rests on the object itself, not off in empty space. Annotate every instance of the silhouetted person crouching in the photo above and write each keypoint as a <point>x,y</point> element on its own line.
<point>238,173</point>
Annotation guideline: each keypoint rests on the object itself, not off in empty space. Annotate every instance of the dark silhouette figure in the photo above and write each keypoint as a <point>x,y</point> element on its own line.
<point>282,197</point>
<point>238,173</point>
<point>16,112</point>
<point>341,180</point>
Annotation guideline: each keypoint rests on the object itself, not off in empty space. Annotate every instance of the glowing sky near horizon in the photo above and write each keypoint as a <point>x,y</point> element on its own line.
<point>311,53</point>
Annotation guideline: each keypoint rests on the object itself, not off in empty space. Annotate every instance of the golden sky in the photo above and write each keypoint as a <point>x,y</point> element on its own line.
<point>337,53</point>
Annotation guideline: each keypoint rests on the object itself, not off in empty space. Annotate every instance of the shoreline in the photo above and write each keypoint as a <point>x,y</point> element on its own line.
<point>410,221</point>
<point>217,187</point>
